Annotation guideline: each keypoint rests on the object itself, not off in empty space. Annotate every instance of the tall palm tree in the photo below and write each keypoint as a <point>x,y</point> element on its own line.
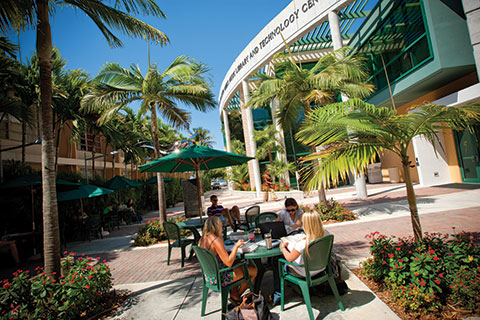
<point>355,132</point>
<point>266,142</point>
<point>203,137</point>
<point>181,82</point>
<point>299,89</point>
<point>36,14</point>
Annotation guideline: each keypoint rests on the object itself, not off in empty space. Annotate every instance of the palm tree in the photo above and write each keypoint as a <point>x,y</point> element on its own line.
<point>36,14</point>
<point>181,82</point>
<point>203,137</point>
<point>355,132</point>
<point>278,168</point>
<point>298,89</point>
<point>267,143</point>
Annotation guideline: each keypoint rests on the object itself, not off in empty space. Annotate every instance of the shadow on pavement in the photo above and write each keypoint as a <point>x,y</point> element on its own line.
<point>389,207</point>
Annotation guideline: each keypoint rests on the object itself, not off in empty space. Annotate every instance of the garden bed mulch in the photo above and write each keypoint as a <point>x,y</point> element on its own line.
<point>447,313</point>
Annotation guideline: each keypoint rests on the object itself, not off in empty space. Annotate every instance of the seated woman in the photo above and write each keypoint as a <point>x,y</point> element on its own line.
<point>291,215</point>
<point>292,251</point>
<point>136,215</point>
<point>212,240</point>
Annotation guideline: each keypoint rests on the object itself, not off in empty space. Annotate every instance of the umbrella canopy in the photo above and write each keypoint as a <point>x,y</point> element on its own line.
<point>195,158</point>
<point>33,180</point>
<point>83,191</point>
<point>119,182</point>
<point>154,180</point>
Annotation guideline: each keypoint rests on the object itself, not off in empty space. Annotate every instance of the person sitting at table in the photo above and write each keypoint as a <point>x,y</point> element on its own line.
<point>292,252</point>
<point>291,215</point>
<point>218,210</point>
<point>212,240</point>
<point>129,205</point>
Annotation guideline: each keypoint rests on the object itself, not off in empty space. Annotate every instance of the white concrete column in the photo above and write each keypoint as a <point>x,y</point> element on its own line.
<point>226,127</point>
<point>250,139</point>
<point>335,30</point>
<point>228,142</point>
<point>472,11</point>
<point>360,184</point>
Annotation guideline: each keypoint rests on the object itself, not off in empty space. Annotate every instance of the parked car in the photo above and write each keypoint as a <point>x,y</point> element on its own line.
<point>216,186</point>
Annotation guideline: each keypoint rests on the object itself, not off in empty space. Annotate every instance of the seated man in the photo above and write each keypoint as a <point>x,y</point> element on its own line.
<point>219,210</point>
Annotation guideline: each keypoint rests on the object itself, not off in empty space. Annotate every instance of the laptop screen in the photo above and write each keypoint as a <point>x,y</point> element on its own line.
<point>276,227</point>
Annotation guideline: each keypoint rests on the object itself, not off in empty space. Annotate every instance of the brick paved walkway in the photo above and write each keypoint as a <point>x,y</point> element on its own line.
<point>150,264</point>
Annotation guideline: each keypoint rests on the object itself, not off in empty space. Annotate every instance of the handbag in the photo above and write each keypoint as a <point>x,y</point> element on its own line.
<point>253,307</point>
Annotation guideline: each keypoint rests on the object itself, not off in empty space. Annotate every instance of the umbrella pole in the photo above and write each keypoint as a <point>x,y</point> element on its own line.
<point>200,208</point>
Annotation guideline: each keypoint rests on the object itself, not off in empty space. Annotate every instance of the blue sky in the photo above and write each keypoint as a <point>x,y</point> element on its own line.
<point>211,31</point>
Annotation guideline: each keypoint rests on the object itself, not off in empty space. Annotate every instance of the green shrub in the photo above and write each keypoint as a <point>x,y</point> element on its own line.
<point>78,293</point>
<point>423,274</point>
<point>332,210</point>
<point>152,232</point>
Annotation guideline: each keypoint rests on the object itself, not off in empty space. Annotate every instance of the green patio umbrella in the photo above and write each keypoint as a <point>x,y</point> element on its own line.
<point>153,180</point>
<point>31,181</point>
<point>195,158</point>
<point>119,182</point>
<point>83,191</point>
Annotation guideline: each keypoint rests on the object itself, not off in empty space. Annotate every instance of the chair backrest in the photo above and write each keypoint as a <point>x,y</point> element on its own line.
<point>209,265</point>
<point>172,231</point>
<point>265,217</point>
<point>94,221</point>
<point>251,214</point>
<point>319,254</point>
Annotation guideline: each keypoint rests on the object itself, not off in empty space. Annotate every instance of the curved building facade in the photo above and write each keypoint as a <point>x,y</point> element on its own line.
<point>421,50</point>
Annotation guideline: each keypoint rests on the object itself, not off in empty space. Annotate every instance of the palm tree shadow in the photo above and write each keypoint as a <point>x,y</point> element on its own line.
<point>390,207</point>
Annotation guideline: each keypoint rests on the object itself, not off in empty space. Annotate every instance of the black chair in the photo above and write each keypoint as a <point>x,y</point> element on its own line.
<point>94,226</point>
<point>250,216</point>
<point>265,217</point>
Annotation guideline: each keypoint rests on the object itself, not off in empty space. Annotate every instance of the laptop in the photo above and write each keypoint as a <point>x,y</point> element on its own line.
<point>276,227</point>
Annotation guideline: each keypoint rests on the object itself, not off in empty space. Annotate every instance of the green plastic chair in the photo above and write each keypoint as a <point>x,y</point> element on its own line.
<point>265,217</point>
<point>320,251</point>
<point>250,216</point>
<point>173,234</point>
<point>209,265</point>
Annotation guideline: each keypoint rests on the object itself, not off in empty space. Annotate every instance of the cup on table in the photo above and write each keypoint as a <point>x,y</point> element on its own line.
<point>251,236</point>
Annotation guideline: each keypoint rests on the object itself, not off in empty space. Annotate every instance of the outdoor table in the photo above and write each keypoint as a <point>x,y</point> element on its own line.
<point>194,224</point>
<point>256,256</point>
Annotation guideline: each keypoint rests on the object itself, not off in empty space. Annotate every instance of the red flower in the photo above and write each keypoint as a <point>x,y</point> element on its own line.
<point>87,286</point>
<point>398,249</point>
<point>437,281</point>
<point>390,255</point>
<point>383,262</point>
<point>416,273</point>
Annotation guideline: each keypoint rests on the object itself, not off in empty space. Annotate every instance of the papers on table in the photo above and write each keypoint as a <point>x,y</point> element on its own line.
<point>294,237</point>
<point>248,247</point>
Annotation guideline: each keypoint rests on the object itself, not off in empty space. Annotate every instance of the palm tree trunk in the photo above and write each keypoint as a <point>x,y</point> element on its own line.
<point>322,196</point>
<point>412,201</point>
<point>162,204</point>
<point>51,235</point>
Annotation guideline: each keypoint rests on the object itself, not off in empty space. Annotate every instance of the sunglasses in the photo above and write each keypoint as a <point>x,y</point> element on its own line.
<point>291,210</point>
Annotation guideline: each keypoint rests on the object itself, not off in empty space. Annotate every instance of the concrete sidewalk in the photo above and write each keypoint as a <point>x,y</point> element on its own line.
<point>172,292</point>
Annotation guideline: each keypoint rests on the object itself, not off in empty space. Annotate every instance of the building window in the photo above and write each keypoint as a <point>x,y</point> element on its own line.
<point>90,142</point>
<point>400,43</point>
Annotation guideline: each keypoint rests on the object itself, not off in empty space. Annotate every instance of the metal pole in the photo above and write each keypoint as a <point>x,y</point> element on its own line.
<point>86,169</point>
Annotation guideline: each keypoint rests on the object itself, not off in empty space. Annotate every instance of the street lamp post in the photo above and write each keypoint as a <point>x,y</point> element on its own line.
<point>113,153</point>
<point>38,141</point>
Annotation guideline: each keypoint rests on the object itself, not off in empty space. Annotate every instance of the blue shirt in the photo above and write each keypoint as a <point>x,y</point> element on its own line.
<point>215,211</point>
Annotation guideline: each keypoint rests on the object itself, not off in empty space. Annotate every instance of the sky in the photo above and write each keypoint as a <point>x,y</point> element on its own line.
<point>211,31</point>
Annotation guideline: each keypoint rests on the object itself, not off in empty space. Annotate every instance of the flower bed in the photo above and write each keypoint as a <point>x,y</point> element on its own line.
<point>152,232</point>
<point>438,275</point>
<point>80,292</point>
<point>332,211</point>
